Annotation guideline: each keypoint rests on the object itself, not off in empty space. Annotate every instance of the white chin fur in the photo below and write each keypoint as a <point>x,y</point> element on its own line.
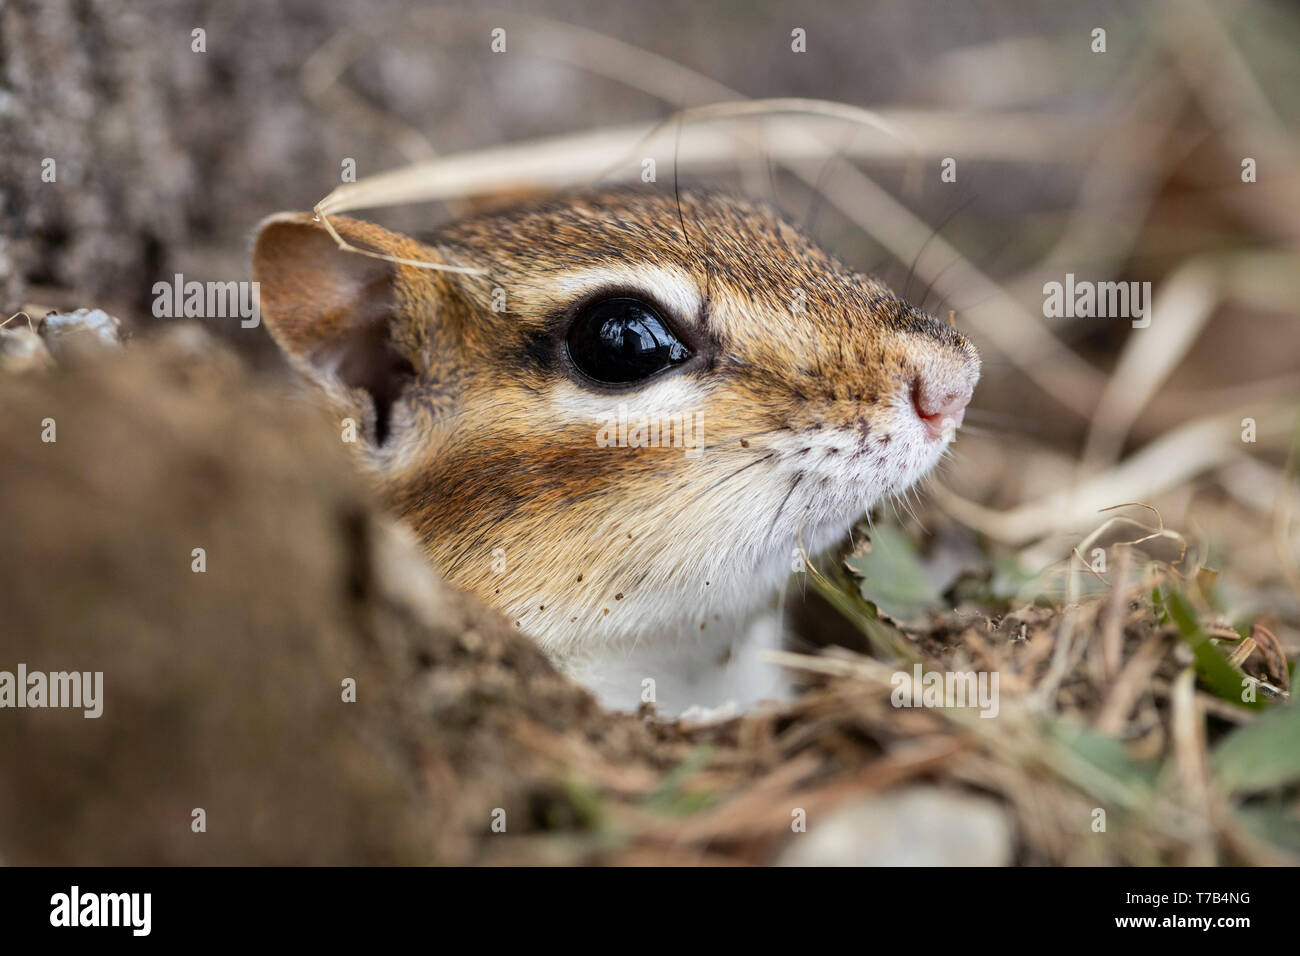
<point>733,570</point>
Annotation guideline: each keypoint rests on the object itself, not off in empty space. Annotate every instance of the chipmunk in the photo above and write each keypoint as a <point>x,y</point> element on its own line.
<point>648,570</point>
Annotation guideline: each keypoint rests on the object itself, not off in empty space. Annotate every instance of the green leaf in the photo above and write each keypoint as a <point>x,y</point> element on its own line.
<point>1010,579</point>
<point>1107,754</point>
<point>1262,755</point>
<point>893,577</point>
<point>1212,667</point>
<point>843,595</point>
<point>671,798</point>
<point>1272,825</point>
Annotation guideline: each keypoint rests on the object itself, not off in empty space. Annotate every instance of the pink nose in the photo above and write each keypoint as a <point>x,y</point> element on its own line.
<point>940,406</point>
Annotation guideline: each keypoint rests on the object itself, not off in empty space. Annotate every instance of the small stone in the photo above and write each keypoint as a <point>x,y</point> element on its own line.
<point>79,334</point>
<point>914,826</point>
<point>22,350</point>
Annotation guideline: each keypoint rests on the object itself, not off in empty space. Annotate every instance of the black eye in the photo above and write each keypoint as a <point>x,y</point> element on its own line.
<point>621,341</point>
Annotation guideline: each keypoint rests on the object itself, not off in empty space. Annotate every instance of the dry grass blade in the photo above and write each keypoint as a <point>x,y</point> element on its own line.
<point>566,161</point>
<point>1191,764</point>
<point>1178,315</point>
<point>1131,684</point>
<point>1174,458</point>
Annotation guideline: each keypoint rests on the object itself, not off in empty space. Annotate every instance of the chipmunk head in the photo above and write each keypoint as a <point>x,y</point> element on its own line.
<point>633,416</point>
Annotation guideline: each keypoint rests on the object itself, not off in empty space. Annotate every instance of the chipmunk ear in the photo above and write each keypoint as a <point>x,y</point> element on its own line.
<point>335,313</point>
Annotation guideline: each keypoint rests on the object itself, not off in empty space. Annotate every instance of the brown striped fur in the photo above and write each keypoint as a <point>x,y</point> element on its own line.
<point>804,378</point>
